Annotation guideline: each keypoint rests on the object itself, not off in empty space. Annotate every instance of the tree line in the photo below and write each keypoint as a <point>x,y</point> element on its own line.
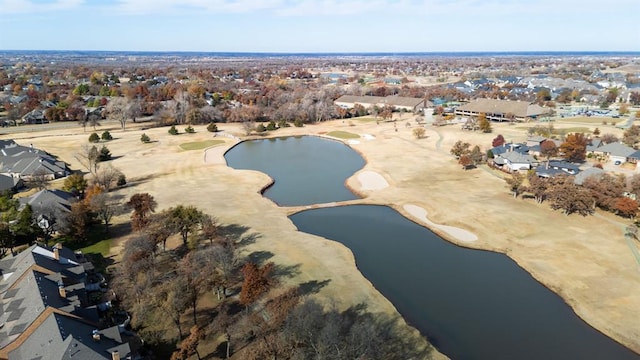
<point>207,290</point>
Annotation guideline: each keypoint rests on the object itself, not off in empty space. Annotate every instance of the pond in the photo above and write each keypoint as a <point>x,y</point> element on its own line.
<point>306,169</point>
<point>471,304</point>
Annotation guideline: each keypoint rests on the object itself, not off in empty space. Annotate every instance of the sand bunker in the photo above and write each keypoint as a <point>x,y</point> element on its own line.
<point>353,142</point>
<point>457,233</point>
<point>371,180</point>
<point>368,137</point>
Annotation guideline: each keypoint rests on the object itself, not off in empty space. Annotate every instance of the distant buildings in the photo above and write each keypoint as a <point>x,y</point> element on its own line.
<point>398,102</point>
<point>503,110</point>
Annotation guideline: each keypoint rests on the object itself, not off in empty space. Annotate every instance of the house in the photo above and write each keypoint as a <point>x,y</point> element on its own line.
<point>34,117</point>
<point>503,110</point>
<point>514,161</point>
<point>10,183</point>
<point>557,167</point>
<point>45,312</point>
<point>398,102</point>
<point>594,144</point>
<point>584,175</point>
<point>617,152</point>
<point>26,162</point>
<point>48,206</point>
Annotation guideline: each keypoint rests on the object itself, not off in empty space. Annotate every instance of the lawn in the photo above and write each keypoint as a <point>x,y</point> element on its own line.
<point>366,119</point>
<point>101,247</point>
<point>199,145</point>
<point>343,135</point>
<point>564,131</point>
<point>590,120</point>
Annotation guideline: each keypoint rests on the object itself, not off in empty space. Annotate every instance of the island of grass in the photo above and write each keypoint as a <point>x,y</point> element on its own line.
<point>199,145</point>
<point>343,134</point>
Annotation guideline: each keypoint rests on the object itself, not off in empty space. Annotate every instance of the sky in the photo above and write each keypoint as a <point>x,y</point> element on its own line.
<point>320,25</point>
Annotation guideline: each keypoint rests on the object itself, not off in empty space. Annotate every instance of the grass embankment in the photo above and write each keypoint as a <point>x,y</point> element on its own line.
<point>199,145</point>
<point>343,134</point>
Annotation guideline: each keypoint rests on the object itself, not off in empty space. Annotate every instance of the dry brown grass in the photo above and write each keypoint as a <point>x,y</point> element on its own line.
<point>584,260</point>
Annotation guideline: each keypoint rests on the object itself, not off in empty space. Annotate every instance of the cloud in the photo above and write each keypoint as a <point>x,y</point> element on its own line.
<point>32,6</point>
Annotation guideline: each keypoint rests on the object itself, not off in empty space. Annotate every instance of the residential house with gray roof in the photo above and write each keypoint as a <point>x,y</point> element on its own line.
<point>45,312</point>
<point>26,162</point>
<point>615,152</point>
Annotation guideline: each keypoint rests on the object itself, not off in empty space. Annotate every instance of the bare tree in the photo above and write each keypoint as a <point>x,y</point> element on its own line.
<point>39,179</point>
<point>104,207</point>
<point>106,177</point>
<point>118,109</point>
<point>89,157</point>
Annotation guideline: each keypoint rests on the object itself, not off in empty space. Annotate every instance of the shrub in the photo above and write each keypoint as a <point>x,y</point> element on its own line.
<point>173,130</point>
<point>298,123</point>
<point>145,138</point>
<point>419,132</point>
<point>272,126</point>
<point>106,136</point>
<point>283,123</point>
<point>122,180</point>
<point>105,154</point>
<point>94,138</point>
<point>260,128</point>
<point>189,130</point>
<point>212,127</point>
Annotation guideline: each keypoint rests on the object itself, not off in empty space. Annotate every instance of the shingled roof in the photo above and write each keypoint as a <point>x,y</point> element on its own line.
<point>519,109</point>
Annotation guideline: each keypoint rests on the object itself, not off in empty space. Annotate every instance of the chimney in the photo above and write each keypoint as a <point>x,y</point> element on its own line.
<point>61,290</point>
<point>115,355</point>
<point>95,335</point>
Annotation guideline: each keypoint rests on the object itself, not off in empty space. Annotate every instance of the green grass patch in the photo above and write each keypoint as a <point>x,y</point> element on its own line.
<point>366,119</point>
<point>101,247</point>
<point>199,145</point>
<point>589,120</point>
<point>343,135</point>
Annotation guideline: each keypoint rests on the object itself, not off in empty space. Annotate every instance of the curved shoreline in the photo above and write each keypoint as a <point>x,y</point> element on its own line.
<point>455,235</point>
<point>586,265</point>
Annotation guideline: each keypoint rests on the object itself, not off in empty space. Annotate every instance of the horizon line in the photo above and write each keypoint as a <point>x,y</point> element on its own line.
<point>333,52</point>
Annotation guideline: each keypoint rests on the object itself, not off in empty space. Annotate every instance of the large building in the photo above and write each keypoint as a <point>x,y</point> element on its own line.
<point>398,102</point>
<point>45,312</point>
<point>503,110</point>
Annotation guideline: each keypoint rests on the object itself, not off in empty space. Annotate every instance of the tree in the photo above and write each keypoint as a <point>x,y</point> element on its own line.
<point>143,204</point>
<point>105,154</point>
<point>626,207</point>
<point>106,177</point>
<point>465,161</point>
<point>118,109</point>
<point>484,124</point>
<point>548,149</point>
<point>24,227</point>
<point>596,132</point>
<point>77,221</point>
<point>565,195</point>
<point>574,147</point>
<point>460,148</point>
<point>498,141</point>
<point>89,158</point>
<point>419,132</point>
<point>173,130</point>
<point>538,187</point>
<point>189,346</point>
<point>609,138</point>
<point>106,136</point>
<point>7,239</point>
<point>605,189</point>
<point>257,281</point>
<point>39,179</point>
<point>75,183</point>
<point>631,136</point>
<point>184,220</point>
<point>476,155</point>
<point>212,127</point>
<point>145,138</point>
<point>94,138</point>
<point>104,207</point>
<point>515,183</point>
